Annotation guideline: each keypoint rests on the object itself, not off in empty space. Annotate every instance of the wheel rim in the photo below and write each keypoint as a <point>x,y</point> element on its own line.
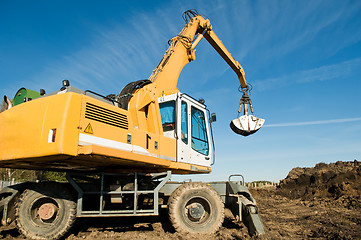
<point>47,211</point>
<point>197,211</point>
<point>44,211</point>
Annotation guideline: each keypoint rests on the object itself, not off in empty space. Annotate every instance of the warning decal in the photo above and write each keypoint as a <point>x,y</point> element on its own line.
<point>89,129</point>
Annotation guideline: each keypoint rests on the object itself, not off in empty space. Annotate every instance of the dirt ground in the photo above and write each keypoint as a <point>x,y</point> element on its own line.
<point>323,202</point>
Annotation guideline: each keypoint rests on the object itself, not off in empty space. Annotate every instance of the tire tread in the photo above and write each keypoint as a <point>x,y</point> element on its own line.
<point>69,203</point>
<point>176,197</point>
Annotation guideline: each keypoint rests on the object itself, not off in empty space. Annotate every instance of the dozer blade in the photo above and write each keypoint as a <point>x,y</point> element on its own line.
<point>246,124</point>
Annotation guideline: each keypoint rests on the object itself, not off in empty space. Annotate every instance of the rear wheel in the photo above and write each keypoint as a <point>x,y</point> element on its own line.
<point>46,211</point>
<point>196,207</point>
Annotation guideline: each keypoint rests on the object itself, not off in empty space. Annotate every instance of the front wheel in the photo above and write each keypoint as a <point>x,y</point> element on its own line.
<point>196,207</point>
<point>46,211</point>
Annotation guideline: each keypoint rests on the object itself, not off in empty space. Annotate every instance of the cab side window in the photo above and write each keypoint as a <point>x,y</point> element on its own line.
<point>199,132</point>
<point>184,122</point>
<point>167,113</point>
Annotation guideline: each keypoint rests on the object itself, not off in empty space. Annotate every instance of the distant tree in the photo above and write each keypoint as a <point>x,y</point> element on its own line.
<point>22,175</point>
<point>17,175</point>
<point>54,176</point>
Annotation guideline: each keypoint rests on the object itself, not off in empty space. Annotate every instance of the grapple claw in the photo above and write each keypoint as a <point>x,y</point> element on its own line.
<point>246,124</point>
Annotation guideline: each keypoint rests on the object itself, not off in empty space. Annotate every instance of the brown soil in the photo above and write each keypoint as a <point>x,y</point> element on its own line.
<point>323,202</point>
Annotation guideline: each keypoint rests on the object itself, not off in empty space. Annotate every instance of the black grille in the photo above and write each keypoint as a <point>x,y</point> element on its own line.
<point>106,116</point>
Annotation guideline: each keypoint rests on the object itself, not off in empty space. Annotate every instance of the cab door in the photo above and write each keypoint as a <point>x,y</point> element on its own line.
<point>193,143</point>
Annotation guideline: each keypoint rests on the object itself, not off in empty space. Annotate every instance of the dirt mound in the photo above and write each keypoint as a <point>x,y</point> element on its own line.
<point>322,202</point>
<point>340,180</point>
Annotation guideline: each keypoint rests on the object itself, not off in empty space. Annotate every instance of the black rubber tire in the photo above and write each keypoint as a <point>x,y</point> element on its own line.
<point>26,211</point>
<point>203,197</point>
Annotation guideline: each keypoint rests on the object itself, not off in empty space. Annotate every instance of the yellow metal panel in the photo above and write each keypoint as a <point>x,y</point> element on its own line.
<point>104,120</point>
<point>146,140</point>
<point>167,147</point>
<point>188,168</point>
<point>24,129</point>
<point>124,157</point>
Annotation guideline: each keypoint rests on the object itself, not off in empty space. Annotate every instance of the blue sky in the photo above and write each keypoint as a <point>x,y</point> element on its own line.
<point>303,59</point>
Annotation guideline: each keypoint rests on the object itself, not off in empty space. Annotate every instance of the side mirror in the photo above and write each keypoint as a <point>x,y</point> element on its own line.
<point>213,118</point>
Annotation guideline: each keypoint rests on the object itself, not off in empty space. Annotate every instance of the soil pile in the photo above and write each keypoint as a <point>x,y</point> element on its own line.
<point>334,180</point>
<point>322,202</point>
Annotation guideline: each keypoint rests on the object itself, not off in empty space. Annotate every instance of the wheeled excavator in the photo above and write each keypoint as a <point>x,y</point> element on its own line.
<point>119,151</point>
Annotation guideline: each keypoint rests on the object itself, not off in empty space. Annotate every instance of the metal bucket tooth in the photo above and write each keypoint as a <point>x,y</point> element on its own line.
<point>246,124</point>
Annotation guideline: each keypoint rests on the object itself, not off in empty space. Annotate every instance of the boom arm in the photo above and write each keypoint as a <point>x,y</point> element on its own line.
<point>181,51</point>
<point>217,44</point>
<point>199,27</point>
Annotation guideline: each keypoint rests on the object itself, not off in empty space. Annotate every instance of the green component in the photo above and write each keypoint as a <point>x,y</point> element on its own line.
<point>24,95</point>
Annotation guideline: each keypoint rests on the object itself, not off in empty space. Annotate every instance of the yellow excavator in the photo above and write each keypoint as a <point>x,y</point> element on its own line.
<point>119,151</point>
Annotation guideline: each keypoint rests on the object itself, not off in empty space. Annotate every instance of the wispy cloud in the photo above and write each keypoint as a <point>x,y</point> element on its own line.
<point>331,121</point>
<point>115,55</point>
<point>288,26</point>
<point>323,73</point>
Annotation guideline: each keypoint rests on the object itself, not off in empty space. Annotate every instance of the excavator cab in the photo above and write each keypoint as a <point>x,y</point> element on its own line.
<point>186,120</point>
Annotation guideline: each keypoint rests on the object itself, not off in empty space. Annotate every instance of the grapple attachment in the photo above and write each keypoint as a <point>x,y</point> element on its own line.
<point>246,124</point>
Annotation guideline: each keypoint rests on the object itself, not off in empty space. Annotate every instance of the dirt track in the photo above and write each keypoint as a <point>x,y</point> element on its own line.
<point>323,202</point>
